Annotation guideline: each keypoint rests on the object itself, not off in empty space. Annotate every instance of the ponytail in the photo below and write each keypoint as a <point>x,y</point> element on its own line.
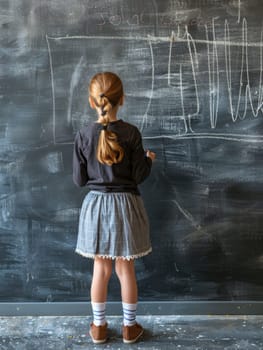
<point>106,91</point>
<point>109,151</point>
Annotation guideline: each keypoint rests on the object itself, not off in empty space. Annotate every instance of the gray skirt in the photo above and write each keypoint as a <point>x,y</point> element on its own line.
<point>113,225</point>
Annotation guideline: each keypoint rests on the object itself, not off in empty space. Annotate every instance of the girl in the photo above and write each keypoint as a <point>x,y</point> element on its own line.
<point>109,159</point>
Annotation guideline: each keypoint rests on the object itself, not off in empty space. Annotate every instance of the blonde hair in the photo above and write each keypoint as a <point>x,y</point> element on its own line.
<point>106,90</point>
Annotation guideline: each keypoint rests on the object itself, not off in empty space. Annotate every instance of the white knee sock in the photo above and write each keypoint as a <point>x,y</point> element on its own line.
<point>129,314</point>
<point>98,310</point>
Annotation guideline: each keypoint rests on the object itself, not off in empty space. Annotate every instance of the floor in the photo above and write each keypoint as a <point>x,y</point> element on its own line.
<point>161,332</point>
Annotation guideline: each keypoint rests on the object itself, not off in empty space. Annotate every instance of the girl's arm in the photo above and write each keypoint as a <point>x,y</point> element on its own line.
<point>141,163</point>
<point>80,176</point>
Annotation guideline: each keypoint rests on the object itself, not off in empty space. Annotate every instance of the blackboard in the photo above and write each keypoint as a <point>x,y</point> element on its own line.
<point>192,74</point>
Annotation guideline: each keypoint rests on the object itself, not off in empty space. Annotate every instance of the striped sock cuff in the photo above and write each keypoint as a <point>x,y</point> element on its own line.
<point>99,311</point>
<point>129,314</point>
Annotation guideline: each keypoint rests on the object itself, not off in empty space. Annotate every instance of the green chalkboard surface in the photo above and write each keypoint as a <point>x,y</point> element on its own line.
<point>192,74</point>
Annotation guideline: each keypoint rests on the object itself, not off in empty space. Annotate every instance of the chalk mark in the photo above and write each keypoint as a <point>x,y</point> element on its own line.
<point>73,83</point>
<point>154,39</point>
<point>226,137</point>
<point>190,41</point>
<point>182,98</point>
<point>53,90</point>
<point>145,116</point>
<point>213,78</point>
<point>187,215</point>
<point>239,11</point>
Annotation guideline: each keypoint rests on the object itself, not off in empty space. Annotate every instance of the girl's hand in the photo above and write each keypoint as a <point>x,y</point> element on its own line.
<point>151,155</point>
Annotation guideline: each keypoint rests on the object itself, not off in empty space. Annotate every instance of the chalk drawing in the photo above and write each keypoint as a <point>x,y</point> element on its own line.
<point>182,99</point>
<point>53,91</point>
<point>170,59</point>
<point>76,76</point>
<point>191,43</point>
<point>153,39</point>
<point>244,68</point>
<point>219,136</point>
<point>213,75</point>
<point>212,46</point>
<point>238,11</point>
<point>169,75</point>
<point>145,116</point>
<point>260,92</point>
<point>194,65</point>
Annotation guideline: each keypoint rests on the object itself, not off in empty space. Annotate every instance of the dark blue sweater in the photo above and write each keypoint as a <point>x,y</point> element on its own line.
<point>122,177</point>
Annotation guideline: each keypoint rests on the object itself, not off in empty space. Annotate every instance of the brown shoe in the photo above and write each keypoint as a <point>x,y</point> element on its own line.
<point>98,333</point>
<point>131,333</point>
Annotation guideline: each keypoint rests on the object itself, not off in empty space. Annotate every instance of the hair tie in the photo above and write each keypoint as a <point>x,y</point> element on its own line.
<point>103,113</point>
<point>103,95</point>
<point>104,126</point>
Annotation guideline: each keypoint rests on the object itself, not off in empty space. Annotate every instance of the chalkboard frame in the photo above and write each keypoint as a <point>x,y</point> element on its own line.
<point>144,308</point>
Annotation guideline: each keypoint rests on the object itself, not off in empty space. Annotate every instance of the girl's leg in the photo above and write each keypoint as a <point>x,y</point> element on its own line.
<point>125,271</point>
<point>102,270</point>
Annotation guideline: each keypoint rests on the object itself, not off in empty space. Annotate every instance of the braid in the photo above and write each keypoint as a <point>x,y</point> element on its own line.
<point>106,91</point>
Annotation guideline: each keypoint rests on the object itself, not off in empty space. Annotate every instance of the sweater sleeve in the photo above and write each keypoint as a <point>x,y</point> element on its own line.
<point>80,176</point>
<point>141,164</point>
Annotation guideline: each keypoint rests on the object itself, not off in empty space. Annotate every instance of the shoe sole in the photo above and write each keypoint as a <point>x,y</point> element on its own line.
<point>133,340</point>
<point>97,341</point>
